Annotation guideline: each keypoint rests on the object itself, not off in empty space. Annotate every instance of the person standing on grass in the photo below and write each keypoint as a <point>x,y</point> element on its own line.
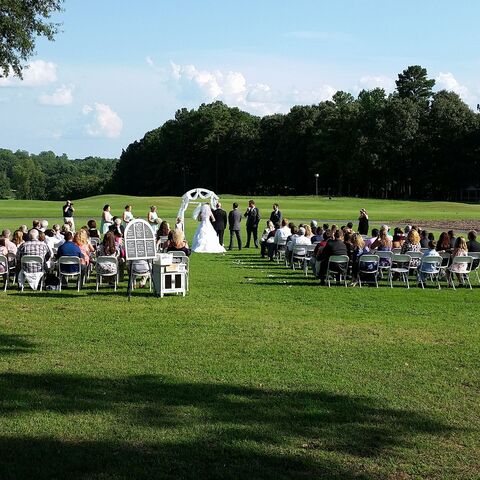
<point>363,222</point>
<point>220,223</point>
<point>234,220</point>
<point>67,213</point>
<point>276,215</point>
<point>252,215</point>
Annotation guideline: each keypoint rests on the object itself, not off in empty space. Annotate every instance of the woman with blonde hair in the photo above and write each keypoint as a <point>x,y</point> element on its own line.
<point>178,243</point>
<point>460,249</point>
<point>308,231</point>
<point>81,239</point>
<point>383,242</point>
<point>358,249</point>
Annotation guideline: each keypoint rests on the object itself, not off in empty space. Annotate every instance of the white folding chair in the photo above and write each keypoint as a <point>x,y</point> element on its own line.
<point>385,265</point>
<point>396,251</point>
<point>106,266</point>
<point>467,262</point>
<point>35,263</point>
<point>12,266</point>
<point>430,267</point>
<point>308,256</point>
<point>70,263</point>
<point>401,266</point>
<point>337,265</point>
<point>446,258</point>
<point>298,255</point>
<point>182,258</point>
<point>416,260</point>
<point>5,273</point>
<point>280,248</point>
<point>476,263</point>
<point>368,266</point>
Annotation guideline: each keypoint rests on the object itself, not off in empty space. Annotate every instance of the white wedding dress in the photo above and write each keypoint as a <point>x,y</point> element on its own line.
<point>205,239</point>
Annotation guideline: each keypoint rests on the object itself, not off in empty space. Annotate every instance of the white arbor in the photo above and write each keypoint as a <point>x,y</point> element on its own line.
<point>193,196</point>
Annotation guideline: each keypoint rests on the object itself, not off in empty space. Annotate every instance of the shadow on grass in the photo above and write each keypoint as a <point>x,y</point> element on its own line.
<point>202,430</point>
<point>13,344</point>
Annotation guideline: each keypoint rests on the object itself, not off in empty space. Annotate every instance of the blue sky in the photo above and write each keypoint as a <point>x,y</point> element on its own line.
<point>121,68</point>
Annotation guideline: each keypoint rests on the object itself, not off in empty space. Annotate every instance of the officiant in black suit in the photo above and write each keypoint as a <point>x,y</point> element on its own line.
<point>253,217</point>
<point>220,222</point>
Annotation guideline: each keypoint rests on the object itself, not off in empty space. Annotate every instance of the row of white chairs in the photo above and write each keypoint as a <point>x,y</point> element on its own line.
<point>65,264</point>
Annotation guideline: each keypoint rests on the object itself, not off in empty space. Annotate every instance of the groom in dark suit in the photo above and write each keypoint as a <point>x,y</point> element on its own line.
<point>220,222</point>
<point>234,219</point>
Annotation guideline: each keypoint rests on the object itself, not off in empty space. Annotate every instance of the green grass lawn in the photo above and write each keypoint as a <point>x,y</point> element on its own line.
<point>257,373</point>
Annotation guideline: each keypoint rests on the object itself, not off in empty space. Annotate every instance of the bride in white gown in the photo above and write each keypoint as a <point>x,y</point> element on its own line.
<point>205,239</point>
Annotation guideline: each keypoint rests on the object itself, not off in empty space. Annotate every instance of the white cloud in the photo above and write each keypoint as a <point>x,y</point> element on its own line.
<point>369,82</point>
<point>194,85</point>
<point>105,122</point>
<point>446,81</point>
<point>61,96</point>
<point>37,74</point>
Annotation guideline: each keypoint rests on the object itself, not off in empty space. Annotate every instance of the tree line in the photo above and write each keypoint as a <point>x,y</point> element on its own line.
<point>412,143</point>
<point>50,177</point>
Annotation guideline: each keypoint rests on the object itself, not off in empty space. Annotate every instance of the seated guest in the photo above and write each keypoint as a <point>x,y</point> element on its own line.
<point>359,249</point>
<point>431,237</point>
<point>108,248</point>
<point>333,247</point>
<point>308,232</point>
<point>265,236</point>
<point>383,243</point>
<point>281,234</point>
<point>17,238</point>
<point>453,239</point>
<point>412,244</point>
<point>50,240</point>
<point>443,244</point>
<point>318,237</point>
<point>296,240</point>
<point>43,225</point>
<point>460,250</point>
<point>24,230</point>
<point>313,226</point>
<point>81,239</point>
<point>472,244</point>
<point>36,224</point>
<point>70,249</point>
<point>431,252</point>
<point>92,229</point>
<point>11,247</point>
<point>424,239</point>
<point>4,252</point>
<point>369,241</point>
<point>117,226</point>
<point>398,238</point>
<point>32,247</point>
<point>178,243</point>
<point>347,240</point>
<point>57,233</point>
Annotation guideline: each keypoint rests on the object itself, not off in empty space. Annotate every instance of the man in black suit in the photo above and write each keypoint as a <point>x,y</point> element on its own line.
<point>253,218</point>
<point>220,222</point>
<point>276,215</point>
<point>234,219</point>
<point>333,247</point>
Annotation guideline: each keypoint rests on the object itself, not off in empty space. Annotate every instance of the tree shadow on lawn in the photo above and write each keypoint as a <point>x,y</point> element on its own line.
<point>10,344</point>
<point>203,430</point>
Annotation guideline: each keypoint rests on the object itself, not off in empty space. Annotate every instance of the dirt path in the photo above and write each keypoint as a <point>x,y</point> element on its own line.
<point>444,225</point>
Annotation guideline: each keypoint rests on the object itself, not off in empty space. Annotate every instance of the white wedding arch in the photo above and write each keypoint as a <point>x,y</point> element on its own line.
<point>194,196</point>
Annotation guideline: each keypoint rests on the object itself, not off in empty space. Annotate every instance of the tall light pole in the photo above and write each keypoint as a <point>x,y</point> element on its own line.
<point>316,184</point>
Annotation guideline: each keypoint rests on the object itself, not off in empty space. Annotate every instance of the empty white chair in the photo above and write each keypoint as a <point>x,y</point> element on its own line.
<point>401,266</point>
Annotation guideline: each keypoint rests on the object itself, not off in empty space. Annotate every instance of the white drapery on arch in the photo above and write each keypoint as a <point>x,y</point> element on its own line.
<point>196,195</point>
